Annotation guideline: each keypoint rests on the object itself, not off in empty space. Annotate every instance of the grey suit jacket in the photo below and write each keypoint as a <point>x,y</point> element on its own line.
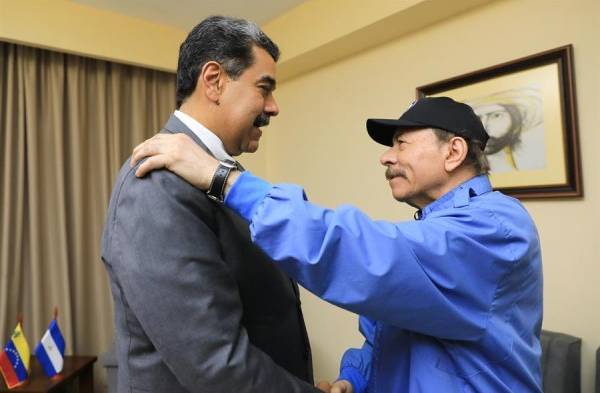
<point>198,307</point>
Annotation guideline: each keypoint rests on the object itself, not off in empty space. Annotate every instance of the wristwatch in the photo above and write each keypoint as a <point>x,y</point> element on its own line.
<point>216,190</point>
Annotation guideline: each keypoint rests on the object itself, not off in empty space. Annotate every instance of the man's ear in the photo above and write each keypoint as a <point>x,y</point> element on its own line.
<point>457,149</point>
<point>212,76</point>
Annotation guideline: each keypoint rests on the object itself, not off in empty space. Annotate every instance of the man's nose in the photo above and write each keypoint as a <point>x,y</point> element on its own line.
<point>388,157</point>
<point>271,107</point>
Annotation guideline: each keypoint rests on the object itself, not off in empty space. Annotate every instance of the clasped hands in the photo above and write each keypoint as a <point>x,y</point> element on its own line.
<point>341,386</point>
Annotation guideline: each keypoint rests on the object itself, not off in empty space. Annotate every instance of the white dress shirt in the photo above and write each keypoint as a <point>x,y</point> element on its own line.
<point>212,142</point>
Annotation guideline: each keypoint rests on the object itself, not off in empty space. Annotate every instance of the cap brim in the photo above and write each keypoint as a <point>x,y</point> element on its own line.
<point>382,130</point>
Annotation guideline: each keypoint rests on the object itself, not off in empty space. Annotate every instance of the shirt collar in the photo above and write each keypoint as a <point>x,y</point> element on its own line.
<point>212,142</point>
<point>459,196</point>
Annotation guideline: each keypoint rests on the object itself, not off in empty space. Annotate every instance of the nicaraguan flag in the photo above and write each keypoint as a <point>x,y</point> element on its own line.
<point>14,359</point>
<point>51,350</point>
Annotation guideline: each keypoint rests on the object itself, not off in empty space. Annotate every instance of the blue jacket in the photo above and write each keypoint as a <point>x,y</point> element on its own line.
<point>451,302</point>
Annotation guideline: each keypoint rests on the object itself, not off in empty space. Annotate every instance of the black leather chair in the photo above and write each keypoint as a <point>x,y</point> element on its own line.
<point>561,363</point>
<point>598,370</point>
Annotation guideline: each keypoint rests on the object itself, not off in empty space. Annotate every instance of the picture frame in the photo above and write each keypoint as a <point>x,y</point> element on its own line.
<point>528,107</point>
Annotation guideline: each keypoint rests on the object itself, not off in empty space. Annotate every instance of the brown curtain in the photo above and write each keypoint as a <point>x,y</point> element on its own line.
<point>67,123</point>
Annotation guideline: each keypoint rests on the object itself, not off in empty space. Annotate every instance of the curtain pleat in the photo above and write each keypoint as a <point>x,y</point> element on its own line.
<point>67,123</point>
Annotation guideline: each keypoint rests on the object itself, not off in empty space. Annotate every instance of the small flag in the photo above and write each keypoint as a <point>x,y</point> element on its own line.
<point>14,359</point>
<point>50,351</point>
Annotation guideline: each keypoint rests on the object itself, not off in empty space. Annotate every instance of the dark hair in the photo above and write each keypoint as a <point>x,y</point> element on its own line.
<point>475,154</point>
<point>228,41</point>
<point>512,137</point>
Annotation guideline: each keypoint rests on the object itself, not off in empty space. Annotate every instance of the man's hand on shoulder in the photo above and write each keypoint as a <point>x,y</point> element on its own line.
<point>180,154</point>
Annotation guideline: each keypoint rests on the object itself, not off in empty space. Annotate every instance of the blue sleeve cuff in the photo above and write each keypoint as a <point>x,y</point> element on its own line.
<point>355,378</point>
<point>246,194</point>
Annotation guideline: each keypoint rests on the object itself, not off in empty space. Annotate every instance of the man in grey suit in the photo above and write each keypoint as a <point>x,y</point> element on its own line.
<point>198,307</point>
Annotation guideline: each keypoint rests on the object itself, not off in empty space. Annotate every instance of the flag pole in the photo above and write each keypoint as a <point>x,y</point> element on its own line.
<point>55,312</point>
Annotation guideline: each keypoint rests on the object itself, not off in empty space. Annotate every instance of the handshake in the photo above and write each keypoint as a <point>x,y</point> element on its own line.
<point>341,386</point>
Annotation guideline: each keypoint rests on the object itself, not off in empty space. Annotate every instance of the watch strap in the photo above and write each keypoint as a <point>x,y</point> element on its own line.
<point>216,190</point>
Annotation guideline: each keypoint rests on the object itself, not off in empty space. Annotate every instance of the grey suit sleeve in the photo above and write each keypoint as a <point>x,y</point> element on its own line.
<point>182,292</point>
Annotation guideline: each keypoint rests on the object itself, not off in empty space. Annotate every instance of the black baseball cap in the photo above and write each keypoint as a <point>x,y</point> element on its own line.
<point>431,112</point>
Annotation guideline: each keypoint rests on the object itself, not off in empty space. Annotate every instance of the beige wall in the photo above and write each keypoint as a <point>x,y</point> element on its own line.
<point>74,28</point>
<point>319,141</point>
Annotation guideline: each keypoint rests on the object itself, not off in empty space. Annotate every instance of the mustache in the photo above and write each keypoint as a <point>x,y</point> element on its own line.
<point>262,120</point>
<point>390,173</point>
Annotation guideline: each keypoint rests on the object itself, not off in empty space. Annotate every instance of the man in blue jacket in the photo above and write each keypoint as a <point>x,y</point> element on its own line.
<point>449,302</point>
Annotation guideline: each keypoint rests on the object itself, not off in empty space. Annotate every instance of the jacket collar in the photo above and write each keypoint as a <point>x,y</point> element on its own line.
<point>176,126</point>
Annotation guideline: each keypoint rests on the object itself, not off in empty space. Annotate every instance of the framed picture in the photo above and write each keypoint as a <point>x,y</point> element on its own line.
<point>528,108</point>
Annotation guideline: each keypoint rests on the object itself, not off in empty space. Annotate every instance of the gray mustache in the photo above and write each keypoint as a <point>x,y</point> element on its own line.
<point>391,173</point>
<point>262,120</point>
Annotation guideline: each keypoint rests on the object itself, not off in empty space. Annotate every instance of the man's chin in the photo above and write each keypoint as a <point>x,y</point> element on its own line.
<point>252,147</point>
<point>399,193</point>
<point>399,197</point>
<point>405,199</point>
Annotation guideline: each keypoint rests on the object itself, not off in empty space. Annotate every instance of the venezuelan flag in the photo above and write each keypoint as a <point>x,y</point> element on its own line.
<point>14,359</point>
